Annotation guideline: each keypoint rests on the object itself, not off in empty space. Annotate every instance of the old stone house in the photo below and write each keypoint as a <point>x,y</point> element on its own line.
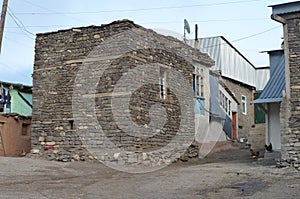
<point>95,88</point>
<point>288,14</point>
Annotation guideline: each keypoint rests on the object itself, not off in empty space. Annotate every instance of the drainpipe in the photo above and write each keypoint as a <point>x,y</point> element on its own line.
<point>286,53</point>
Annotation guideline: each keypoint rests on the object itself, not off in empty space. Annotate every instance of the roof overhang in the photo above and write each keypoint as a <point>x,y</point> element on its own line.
<point>285,8</point>
<point>266,100</point>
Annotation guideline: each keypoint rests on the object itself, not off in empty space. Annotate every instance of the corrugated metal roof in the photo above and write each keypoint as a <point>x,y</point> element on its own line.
<point>262,76</point>
<point>273,90</point>
<point>286,8</point>
<point>228,60</point>
<point>232,63</point>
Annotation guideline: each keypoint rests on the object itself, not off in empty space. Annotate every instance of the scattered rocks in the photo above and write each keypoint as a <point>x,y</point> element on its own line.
<point>76,157</point>
<point>116,156</point>
<point>35,151</point>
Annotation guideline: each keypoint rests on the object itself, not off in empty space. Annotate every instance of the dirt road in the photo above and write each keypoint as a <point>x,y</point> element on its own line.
<point>218,176</point>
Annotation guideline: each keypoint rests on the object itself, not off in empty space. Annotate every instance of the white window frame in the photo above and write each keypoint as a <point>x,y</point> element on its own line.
<point>244,104</point>
<point>225,102</point>
<point>163,83</point>
<point>199,86</point>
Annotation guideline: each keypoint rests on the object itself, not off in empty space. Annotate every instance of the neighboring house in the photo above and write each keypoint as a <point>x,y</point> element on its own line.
<point>241,78</point>
<point>15,119</point>
<point>202,101</point>
<point>16,98</point>
<point>288,14</point>
<point>224,106</point>
<point>271,97</point>
<point>14,135</point>
<point>57,107</point>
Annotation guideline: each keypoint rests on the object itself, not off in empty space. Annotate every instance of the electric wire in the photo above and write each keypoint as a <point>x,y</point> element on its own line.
<point>20,25</point>
<point>133,10</point>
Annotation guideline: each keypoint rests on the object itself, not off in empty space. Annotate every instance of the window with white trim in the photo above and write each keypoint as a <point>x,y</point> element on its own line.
<point>199,86</point>
<point>225,103</point>
<point>244,104</point>
<point>162,83</point>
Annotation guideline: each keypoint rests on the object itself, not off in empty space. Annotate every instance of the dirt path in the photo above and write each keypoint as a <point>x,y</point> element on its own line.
<point>229,174</point>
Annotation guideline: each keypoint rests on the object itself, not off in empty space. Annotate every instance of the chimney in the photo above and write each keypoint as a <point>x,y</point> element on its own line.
<point>196,44</point>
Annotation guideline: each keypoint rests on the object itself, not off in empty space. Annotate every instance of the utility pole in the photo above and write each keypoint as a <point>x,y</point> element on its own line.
<point>2,22</point>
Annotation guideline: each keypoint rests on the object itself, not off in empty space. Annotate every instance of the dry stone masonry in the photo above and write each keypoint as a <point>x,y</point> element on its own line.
<point>289,111</point>
<point>59,57</point>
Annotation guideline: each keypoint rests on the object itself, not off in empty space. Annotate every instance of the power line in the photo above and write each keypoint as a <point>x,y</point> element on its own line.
<point>15,41</point>
<point>130,10</point>
<point>38,26</point>
<point>208,20</point>
<point>255,34</point>
<point>51,11</point>
<point>236,40</point>
<point>19,23</point>
<point>243,38</point>
<point>157,22</point>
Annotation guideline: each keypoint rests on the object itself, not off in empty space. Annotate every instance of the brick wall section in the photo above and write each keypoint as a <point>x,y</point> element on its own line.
<point>291,133</point>
<point>57,61</point>
<point>245,121</point>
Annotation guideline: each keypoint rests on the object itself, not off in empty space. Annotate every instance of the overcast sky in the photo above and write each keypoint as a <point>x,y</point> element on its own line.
<point>245,23</point>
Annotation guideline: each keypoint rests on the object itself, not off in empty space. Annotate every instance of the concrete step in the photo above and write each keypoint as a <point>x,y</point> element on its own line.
<point>270,158</point>
<point>273,155</point>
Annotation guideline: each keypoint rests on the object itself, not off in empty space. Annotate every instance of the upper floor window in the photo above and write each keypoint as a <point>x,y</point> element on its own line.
<point>225,103</point>
<point>162,83</point>
<point>198,86</point>
<point>244,105</point>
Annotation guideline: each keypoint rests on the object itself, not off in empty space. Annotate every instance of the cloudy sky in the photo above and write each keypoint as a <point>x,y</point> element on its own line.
<point>245,23</point>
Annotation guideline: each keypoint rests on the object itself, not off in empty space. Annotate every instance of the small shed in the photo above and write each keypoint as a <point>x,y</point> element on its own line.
<point>14,135</point>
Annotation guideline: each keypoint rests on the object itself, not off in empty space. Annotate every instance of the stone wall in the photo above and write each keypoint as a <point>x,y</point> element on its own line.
<point>256,137</point>
<point>290,112</point>
<point>59,59</point>
<point>245,121</point>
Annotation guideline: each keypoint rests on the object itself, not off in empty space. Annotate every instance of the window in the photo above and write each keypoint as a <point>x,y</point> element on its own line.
<point>259,115</point>
<point>199,86</point>
<point>244,105</point>
<point>25,129</point>
<point>71,124</point>
<point>163,83</point>
<point>225,103</point>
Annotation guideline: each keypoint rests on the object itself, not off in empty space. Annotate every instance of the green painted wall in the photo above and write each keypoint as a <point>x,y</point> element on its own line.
<point>18,105</point>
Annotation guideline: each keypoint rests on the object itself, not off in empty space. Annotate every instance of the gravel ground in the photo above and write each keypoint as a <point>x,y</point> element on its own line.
<point>230,174</point>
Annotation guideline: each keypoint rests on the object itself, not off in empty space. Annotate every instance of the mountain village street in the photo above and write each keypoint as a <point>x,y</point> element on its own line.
<point>231,174</point>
